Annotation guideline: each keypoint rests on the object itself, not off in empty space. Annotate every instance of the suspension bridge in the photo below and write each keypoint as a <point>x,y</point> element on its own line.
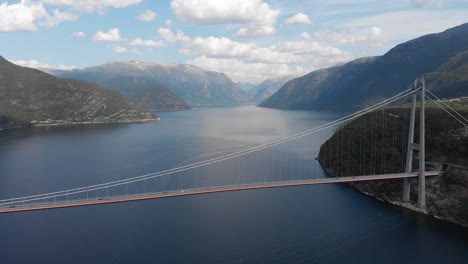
<point>264,168</point>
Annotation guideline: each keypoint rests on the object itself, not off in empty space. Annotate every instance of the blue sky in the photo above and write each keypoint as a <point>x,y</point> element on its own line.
<point>249,40</point>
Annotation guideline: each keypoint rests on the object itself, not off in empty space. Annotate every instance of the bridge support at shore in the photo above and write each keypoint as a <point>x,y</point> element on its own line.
<point>420,147</point>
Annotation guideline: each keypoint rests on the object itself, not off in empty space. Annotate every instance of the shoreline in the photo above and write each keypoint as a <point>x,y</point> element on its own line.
<point>73,123</point>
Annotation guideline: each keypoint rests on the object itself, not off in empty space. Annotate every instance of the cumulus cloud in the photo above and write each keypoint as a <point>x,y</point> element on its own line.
<point>146,43</point>
<point>169,36</point>
<point>255,17</point>
<point>40,65</point>
<point>219,47</point>
<point>299,18</point>
<point>306,36</point>
<point>372,36</point>
<point>79,34</point>
<point>148,15</point>
<point>242,71</point>
<point>246,61</point>
<point>168,22</point>
<point>281,53</point>
<point>21,16</point>
<point>91,5</point>
<point>120,50</point>
<point>404,25</point>
<point>58,17</point>
<point>113,35</point>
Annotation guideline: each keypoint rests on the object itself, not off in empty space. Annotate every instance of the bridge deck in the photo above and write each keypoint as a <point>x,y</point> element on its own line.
<point>216,189</point>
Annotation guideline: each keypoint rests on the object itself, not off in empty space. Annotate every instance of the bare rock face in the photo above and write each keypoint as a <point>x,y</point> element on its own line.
<point>30,97</point>
<point>447,196</point>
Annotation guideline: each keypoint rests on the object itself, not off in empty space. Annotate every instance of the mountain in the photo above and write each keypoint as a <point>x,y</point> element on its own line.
<point>353,86</point>
<point>311,91</point>
<point>451,79</point>
<point>195,86</point>
<point>267,88</point>
<point>245,86</point>
<point>146,95</point>
<point>31,97</point>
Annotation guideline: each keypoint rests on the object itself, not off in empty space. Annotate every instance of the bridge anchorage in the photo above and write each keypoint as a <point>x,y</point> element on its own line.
<point>357,142</point>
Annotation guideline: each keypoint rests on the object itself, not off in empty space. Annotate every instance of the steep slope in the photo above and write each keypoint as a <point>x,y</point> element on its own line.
<point>378,78</point>
<point>195,86</point>
<point>245,86</point>
<point>141,92</point>
<point>344,154</point>
<point>267,88</point>
<point>451,79</point>
<point>29,96</point>
<point>312,90</point>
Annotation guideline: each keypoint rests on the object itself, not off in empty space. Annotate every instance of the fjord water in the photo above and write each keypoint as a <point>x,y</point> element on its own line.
<point>309,224</point>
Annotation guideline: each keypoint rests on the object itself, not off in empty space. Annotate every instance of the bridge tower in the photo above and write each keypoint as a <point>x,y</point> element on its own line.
<point>419,147</point>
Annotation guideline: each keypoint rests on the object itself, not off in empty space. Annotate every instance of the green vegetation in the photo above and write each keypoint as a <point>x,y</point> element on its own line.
<point>376,143</point>
<point>365,81</point>
<point>31,97</point>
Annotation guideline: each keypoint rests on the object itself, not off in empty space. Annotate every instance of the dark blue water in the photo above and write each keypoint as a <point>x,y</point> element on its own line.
<point>310,224</point>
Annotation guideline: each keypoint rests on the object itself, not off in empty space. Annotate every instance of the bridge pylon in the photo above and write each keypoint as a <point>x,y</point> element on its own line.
<point>419,147</point>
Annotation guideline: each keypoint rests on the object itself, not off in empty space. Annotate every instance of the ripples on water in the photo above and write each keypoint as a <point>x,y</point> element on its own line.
<point>308,224</point>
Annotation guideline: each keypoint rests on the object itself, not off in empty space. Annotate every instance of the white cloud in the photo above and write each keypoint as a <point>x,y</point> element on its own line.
<point>306,36</point>
<point>404,25</point>
<point>281,53</point>
<point>92,5</point>
<point>246,61</point>
<point>20,16</point>
<point>113,35</point>
<point>255,17</point>
<point>148,15</point>
<point>40,65</point>
<point>146,43</point>
<point>58,17</point>
<point>168,22</point>
<point>120,49</point>
<point>79,34</point>
<point>371,37</point>
<point>169,36</point>
<point>299,18</point>
<point>220,47</point>
<point>242,71</point>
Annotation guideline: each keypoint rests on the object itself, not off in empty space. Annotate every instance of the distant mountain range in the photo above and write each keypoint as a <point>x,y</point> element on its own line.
<point>31,97</point>
<point>267,88</point>
<point>365,81</point>
<point>194,85</point>
<point>245,86</point>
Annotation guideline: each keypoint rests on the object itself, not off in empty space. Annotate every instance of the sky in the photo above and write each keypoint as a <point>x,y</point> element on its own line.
<point>249,40</point>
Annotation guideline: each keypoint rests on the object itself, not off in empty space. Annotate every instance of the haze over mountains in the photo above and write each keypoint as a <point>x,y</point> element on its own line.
<point>194,85</point>
<point>32,97</point>
<point>368,80</point>
<point>28,96</point>
<point>267,88</point>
